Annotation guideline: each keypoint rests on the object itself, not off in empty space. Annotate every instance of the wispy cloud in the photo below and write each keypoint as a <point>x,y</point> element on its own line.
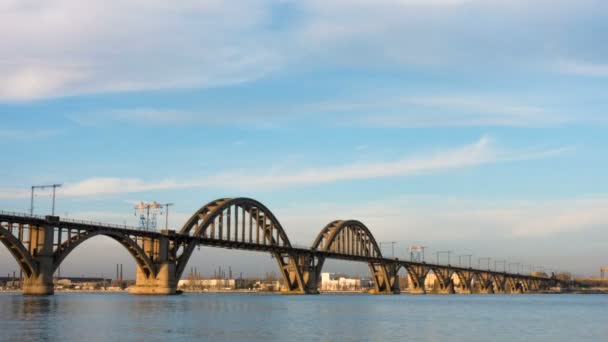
<point>432,218</point>
<point>583,68</point>
<point>185,52</point>
<point>376,110</point>
<point>481,152</point>
<point>21,134</point>
<point>457,111</point>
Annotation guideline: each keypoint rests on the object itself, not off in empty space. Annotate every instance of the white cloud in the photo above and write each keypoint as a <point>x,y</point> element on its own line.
<point>378,109</point>
<point>478,153</point>
<point>19,134</point>
<point>67,47</point>
<point>583,68</point>
<point>454,111</point>
<point>433,218</point>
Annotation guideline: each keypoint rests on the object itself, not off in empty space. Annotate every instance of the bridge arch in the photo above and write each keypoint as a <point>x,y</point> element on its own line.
<point>142,260</point>
<point>349,237</point>
<point>200,223</point>
<point>240,220</point>
<point>18,251</point>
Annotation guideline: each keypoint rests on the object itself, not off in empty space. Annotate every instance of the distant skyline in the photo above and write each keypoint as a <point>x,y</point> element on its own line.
<point>465,125</point>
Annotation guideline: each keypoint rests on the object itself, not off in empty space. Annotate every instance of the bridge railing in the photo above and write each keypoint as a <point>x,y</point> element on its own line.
<point>101,224</point>
<point>14,213</point>
<point>76,221</point>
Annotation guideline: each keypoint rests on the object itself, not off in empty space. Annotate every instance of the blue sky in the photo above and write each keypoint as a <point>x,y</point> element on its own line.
<point>476,126</point>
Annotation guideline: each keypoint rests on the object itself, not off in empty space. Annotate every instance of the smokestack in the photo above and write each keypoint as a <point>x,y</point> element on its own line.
<point>116,278</point>
<point>120,272</point>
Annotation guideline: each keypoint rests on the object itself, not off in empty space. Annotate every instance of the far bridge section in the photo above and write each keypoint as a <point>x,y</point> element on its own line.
<point>40,244</point>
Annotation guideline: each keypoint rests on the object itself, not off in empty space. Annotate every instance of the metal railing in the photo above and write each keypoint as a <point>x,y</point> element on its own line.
<point>75,221</point>
<point>14,213</point>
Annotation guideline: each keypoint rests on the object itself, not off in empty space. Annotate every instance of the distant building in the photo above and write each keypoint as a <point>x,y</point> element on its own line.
<point>332,282</point>
<point>215,284</point>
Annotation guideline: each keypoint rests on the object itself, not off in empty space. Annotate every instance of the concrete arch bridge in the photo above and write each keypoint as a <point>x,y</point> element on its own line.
<point>40,244</point>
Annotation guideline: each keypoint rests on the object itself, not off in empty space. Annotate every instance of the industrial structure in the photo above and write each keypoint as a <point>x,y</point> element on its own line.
<point>40,244</point>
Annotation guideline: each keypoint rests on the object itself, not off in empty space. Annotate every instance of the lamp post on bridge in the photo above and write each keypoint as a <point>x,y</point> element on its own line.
<point>486,259</point>
<point>444,252</point>
<point>466,256</point>
<point>514,263</point>
<point>167,205</point>
<point>42,187</point>
<point>392,243</point>
<point>504,265</point>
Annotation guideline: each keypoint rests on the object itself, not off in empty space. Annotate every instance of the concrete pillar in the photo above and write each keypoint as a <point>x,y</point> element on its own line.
<point>300,273</point>
<point>386,278</point>
<point>485,290</point>
<point>40,283</point>
<point>415,284</point>
<point>443,288</point>
<point>163,280</point>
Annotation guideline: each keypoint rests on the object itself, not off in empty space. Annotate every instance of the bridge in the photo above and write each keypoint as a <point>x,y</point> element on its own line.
<point>39,244</point>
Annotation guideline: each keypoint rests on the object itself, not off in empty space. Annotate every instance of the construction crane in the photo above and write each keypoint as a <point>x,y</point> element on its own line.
<point>148,213</point>
<point>416,253</point>
<point>42,187</point>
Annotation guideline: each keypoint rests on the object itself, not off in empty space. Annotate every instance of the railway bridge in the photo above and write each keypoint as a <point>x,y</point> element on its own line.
<point>41,243</point>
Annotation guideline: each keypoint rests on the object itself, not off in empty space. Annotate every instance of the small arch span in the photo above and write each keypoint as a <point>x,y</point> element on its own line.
<point>18,251</point>
<point>134,249</point>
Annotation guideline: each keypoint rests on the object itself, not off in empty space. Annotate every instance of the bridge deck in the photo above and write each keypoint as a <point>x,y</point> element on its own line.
<point>206,241</point>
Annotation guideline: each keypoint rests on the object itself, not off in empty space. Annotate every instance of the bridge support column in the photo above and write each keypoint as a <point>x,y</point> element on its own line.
<point>301,273</point>
<point>416,277</point>
<point>386,278</point>
<point>162,280</point>
<point>465,280</point>
<point>514,286</point>
<point>500,284</point>
<point>484,283</point>
<point>444,283</point>
<point>41,248</point>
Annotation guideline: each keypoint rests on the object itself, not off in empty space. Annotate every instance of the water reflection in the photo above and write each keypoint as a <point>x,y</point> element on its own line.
<point>233,317</point>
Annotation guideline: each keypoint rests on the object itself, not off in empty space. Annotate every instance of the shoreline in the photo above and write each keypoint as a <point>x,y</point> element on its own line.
<point>595,291</point>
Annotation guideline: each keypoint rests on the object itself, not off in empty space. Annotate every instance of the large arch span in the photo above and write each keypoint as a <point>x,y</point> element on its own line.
<point>239,220</point>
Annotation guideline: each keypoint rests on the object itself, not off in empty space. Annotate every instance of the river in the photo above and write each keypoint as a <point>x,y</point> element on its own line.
<point>272,317</point>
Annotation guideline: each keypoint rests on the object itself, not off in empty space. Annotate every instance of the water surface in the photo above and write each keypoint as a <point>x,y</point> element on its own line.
<point>253,317</point>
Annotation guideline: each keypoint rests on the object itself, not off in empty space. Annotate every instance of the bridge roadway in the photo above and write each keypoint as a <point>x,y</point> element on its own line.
<point>40,244</point>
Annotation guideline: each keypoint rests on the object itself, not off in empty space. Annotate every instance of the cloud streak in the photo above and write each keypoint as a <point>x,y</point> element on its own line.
<point>117,46</point>
<point>481,152</point>
<point>583,68</point>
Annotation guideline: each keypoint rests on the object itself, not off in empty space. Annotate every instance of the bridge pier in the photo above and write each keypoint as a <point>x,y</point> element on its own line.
<point>484,283</point>
<point>163,279</point>
<point>416,277</point>
<point>386,278</point>
<point>465,282</point>
<point>163,283</point>
<point>300,273</point>
<point>444,284</point>
<point>40,282</point>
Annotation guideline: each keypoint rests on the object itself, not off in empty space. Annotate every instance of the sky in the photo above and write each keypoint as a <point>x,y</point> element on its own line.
<point>475,126</point>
